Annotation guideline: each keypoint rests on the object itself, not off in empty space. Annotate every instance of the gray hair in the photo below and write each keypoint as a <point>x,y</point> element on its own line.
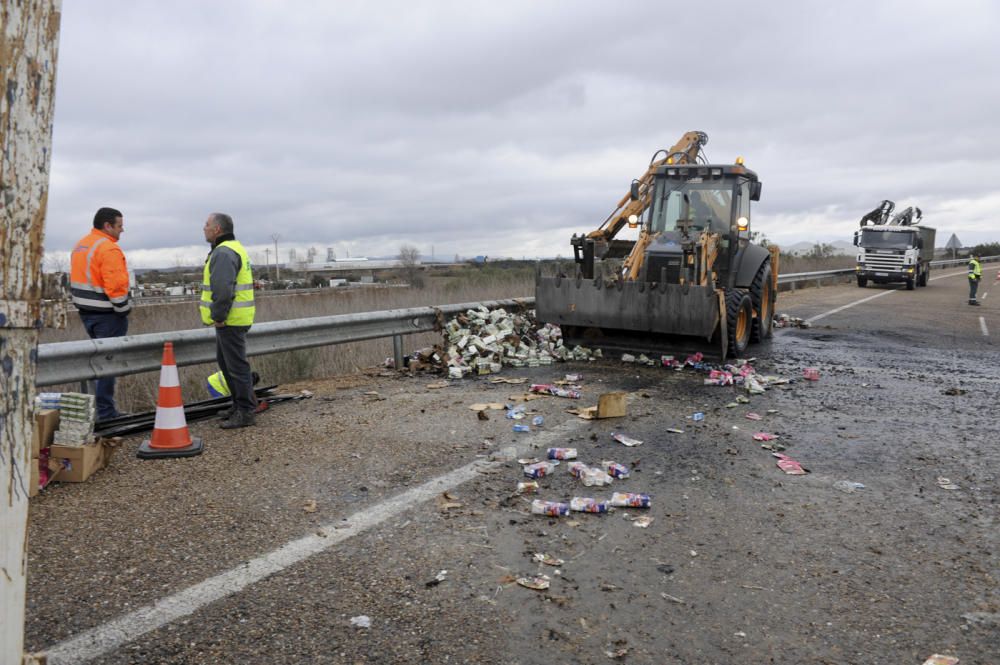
<point>223,221</point>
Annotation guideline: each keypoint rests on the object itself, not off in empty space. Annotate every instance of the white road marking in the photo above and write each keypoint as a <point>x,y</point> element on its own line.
<point>982,325</point>
<point>864,300</point>
<point>849,305</point>
<point>111,635</point>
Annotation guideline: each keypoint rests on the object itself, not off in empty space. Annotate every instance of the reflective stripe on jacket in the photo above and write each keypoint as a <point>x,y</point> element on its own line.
<point>217,386</point>
<point>241,312</point>
<point>975,269</point>
<point>99,275</point>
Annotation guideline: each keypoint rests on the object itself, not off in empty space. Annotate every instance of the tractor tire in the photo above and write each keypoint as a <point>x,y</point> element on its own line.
<point>739,320</point>
<point>862,282</point>
<point>762,299</point>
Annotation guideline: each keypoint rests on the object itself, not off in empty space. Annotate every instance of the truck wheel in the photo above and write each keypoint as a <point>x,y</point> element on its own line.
<point>762,299</point>
<point>739,319</point>
<point>910,284</point>
<point>923,278</point>
<point>862,282</point>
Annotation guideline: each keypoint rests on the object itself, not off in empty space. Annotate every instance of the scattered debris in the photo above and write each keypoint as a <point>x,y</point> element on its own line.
<point>500,379</point>
<point>617,650</point>
<point>491,406</point>
<point>437,385</point>
<point>625,439</point>
<point>561,453</point>
<point>522,428</point>
<point>447,501</point>
<point>440,577</point>
<point>630,500</point>
<point>773,446</point>
<point>674,430</point>
<point>938,659</point>
<point>609,405</point>
<point>848,486</point>
<point>673,599</point>
<point>698,417</point>
<point>527,487</point>
<point>810,374</point>
<point>614,469</point>
<point>642,521</point>
<point>361,621</point>
<point>538,582</point>
<point>790,466</point>
<point>540,469</point>
<point>309,506</point>
<point>946,484</point>
<point>764,436</point>
<point>954,391</point>
<point>587,505</point>
<point>549,508</point>
<point>785,321</point>
<point>754,416</point>
<point>547,559</point>
<point>554,390</point>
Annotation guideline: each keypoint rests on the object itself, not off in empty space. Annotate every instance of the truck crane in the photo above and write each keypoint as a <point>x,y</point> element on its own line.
<point>693,271</point>
<point>896,250</point>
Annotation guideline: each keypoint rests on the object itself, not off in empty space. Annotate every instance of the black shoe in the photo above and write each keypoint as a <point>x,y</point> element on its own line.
<point>975,302</point>
<point>238,420</point>
<point>228,413</point>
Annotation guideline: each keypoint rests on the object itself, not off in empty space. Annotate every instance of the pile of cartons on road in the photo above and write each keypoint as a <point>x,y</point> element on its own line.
<point>483,341</point>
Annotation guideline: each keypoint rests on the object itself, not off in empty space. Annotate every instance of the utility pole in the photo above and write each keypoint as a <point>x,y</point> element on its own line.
<point>267,260</point>
<point>30,35</point>
<point>276,237</point>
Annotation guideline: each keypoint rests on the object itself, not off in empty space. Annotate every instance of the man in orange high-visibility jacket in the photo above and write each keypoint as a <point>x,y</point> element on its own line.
<point>100,290</point>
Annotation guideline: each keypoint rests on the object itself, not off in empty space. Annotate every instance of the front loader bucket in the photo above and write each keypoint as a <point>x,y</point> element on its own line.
<point>635,316</point>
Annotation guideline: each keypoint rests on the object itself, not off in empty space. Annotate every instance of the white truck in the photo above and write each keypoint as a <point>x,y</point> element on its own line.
<point>896,250</point>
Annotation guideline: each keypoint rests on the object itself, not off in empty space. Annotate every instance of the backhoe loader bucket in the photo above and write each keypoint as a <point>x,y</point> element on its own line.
<point>634,316</point>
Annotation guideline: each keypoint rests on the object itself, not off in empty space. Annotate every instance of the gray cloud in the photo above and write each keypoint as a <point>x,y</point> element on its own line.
<point>486,128</point>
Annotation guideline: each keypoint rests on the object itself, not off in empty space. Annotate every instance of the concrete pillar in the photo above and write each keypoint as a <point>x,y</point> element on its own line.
<point>29,40</point>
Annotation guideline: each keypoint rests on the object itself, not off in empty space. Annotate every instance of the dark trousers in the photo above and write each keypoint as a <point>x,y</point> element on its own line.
<point>231,354</point>
<point>100,326</point>
<point>973,287</point>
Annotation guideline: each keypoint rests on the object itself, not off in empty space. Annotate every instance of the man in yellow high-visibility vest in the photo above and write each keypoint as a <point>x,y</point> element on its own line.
<point>975,276</point>
<point>227,304</point>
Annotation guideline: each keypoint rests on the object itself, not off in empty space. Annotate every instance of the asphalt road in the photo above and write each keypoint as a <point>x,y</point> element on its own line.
<point>263,549</point>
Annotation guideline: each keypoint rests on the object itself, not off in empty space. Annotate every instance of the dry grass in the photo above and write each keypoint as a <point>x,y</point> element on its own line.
<point>139,392</point>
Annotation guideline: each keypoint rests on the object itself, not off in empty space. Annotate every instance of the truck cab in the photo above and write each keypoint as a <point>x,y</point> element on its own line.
<point>889,253</point>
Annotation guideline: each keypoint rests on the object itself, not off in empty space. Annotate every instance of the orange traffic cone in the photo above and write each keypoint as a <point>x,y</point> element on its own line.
<point>170,431</point>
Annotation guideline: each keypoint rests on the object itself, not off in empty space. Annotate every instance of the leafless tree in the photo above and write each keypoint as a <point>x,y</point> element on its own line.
<point>409,259</point>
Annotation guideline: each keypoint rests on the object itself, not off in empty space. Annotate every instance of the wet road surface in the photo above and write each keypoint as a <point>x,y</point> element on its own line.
<point>741,563</point>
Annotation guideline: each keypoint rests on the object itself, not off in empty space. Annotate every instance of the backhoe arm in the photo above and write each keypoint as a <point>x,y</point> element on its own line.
<point>685,151</point>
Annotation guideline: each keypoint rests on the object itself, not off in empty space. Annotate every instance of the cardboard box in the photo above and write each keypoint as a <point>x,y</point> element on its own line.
<point>46,424</point>
<point>33,483</point>
<point>611,405</point>
<point>81,462</point>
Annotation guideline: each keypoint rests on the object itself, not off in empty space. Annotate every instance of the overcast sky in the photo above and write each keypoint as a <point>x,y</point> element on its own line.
<point>501,128</point>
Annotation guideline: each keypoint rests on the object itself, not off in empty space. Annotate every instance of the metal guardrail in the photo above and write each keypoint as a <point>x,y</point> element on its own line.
<point>792,278</point>
<point>85,360</point>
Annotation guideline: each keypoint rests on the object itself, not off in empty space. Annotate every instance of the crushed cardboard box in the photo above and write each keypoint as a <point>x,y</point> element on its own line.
<point>78,463</point>
<point>609,405</point>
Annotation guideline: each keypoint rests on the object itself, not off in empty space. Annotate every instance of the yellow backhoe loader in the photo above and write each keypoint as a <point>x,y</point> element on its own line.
<point>692,273</point>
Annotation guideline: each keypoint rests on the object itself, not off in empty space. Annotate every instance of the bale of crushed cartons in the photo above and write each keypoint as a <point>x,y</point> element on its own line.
<point>483,341</point>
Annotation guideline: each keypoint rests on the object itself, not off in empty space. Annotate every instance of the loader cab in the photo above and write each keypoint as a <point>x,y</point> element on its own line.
<point>703,198</point>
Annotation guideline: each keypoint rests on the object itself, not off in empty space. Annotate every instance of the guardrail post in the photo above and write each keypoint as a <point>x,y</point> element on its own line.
<point>30,38</point>
<point>397,351</point>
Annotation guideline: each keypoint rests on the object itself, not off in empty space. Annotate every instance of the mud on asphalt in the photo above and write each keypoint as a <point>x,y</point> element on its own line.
<point>741,562</point>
